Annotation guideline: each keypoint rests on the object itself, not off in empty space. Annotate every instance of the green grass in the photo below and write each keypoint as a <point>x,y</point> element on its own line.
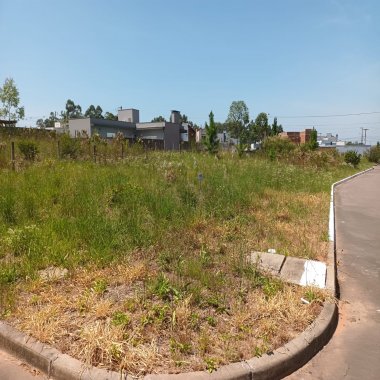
<point>176,247</point>
<point>74,213</point>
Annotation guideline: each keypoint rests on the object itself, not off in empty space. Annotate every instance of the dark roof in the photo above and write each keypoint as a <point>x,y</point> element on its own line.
<point>111,123</point>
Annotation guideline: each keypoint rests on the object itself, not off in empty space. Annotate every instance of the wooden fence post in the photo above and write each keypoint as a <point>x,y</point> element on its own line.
<point>13,155</point>
<point>58,149</point>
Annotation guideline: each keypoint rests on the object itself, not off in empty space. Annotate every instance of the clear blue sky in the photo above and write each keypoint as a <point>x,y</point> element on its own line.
<point>285,57</point>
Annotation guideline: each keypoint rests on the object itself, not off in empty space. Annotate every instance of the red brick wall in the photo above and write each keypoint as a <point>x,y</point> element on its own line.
<point>297,137</point>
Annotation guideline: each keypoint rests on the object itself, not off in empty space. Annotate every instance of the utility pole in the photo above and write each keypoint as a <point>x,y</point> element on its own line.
<point>361,140</point>
<point>365,136</point>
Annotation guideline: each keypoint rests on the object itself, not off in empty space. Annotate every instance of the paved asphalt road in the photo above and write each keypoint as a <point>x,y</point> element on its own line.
<point>354,350</point>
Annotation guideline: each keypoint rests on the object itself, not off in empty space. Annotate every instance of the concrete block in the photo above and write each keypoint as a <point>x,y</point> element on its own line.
<point>292,270</point>
<point>269,262</point>
<point>314,274</point>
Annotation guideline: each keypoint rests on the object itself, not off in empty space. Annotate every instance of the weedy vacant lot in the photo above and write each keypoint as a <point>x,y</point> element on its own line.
<point>147,262</point>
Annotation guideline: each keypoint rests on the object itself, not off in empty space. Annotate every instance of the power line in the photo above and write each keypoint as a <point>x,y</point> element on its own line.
<point>331,125</point>
<point>336,115</point>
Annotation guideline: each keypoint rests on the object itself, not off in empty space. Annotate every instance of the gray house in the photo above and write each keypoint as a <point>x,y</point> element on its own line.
<point>327,140</point>
<point>105,128</point>
<point>163,135</point>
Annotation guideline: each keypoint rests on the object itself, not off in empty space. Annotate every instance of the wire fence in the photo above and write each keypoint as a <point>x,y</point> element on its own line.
<point>19,147</point>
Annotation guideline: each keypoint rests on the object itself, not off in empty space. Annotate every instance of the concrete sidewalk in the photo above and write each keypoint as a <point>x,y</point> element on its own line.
<point>354,350</point>
<point>13,369</point>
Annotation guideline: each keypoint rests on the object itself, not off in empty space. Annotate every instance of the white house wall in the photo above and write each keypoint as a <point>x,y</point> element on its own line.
<point>78,126</point>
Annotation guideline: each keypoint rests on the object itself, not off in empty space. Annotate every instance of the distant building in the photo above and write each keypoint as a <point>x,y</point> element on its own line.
<point>8,123</point>
<point>297,137</point>
<point>59,128</point>
<point>162,135</point>
<point>188,133</point>
<point>225,139</point>
<point>200,135</point>
<point>327,140</point>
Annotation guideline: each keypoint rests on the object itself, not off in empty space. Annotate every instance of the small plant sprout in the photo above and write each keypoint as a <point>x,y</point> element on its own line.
<point>99,286</point>
<point>120,319</point>
<point>211,365</point>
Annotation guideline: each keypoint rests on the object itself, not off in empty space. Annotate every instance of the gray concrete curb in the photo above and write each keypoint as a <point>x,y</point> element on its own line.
<point>279,364</point>
<point>47,359</point>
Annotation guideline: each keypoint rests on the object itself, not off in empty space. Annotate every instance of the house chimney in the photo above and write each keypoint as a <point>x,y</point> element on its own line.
<point>175,117</point>
<point>130,115</point>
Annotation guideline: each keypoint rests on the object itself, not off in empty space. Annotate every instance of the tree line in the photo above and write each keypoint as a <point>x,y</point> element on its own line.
<point>238,122</point>
<point>246,131</point>
<point>74,111</point>
<point>240,127</point>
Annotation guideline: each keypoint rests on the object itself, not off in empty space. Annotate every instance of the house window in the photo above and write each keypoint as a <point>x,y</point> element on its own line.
<point>110,135</point>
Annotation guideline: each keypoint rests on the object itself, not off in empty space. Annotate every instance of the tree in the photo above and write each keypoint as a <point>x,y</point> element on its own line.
<point>73,111</point>
<point>238,119</point>
<point>260,129</point>
<point>110,116</point>
<point>221,127</point>
<point>373,154</point>
<point>40,123</point>
<point>158,119</point>
<point>185,119</point>
<point>10,98</point>
<point>47,123</point>
<point>211,141</point>
<point>276,129</point>
<point>313,143</point>
<point>94,112</point>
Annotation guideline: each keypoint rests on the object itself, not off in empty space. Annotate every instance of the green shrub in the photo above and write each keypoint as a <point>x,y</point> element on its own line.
<point>373,154</point>
<point>353,158</point>
<point>69,147</point>
<point>277,146</point>
<point>28,149</point>
<point>313,143</point>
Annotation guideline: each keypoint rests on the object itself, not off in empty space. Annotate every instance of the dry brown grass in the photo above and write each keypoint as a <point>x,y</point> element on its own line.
<point>156,335</point>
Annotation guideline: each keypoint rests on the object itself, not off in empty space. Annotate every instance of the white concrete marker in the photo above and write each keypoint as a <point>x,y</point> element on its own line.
<point>314,274</point>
